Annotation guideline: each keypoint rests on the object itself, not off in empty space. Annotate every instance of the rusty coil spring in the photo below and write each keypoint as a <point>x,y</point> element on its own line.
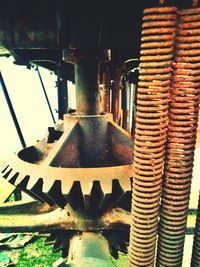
<point>150,132</point>
<point>195,261</point>
<point>181,139</point>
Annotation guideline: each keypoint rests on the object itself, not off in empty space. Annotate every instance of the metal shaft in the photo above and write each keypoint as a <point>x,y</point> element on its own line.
<point>62,97</point>
<point>150,133</point>
<point>182,128</point>
<point>126,106</point>
<point>116,97</point>
<point>87,94</point>
<point>89,249</point>
<point>107,83</point>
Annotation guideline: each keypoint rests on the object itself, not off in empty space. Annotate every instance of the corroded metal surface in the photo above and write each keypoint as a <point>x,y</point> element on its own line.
<point>150,132</point>
<point>106,81</point>
<point>126,105</point>
<point>116,89</point>
<point>182,128</point>
<point>34,216</point>
<point>61,176</point>
<point>89,249</point>
<point>86,81</point>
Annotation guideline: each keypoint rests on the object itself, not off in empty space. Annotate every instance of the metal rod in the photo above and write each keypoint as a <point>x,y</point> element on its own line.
<point>116,97</point>
<point>46,96</point>
<point>151,129</point>
<point>87,93</point>
<point>106,80</point>
<point>62,97</point>
<point>179,151</point>
<point>126,105</point>
<point>12,112</point>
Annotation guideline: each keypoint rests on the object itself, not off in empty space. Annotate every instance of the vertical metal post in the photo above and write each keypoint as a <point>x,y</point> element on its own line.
<point>133,114</point>
<point>62,97</point>
<point>12,112</point>
<point>126,105</point>
<point>106,80</point>
<point>87,89</point>
<point>116,97</point>
<point>46,96</point>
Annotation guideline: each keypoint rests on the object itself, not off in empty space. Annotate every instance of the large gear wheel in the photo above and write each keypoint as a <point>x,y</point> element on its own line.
<point>64,171</point>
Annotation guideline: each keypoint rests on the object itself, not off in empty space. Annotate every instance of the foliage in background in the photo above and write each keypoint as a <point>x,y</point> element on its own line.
<point>38,255</point>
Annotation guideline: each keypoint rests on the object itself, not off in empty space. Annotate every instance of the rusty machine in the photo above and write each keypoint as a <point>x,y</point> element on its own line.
<point>100,187</point>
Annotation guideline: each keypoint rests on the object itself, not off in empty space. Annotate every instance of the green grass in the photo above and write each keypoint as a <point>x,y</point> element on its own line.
<point>36,254</point>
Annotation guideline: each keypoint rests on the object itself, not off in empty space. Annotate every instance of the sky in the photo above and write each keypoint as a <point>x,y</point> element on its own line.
<point>29,103</point>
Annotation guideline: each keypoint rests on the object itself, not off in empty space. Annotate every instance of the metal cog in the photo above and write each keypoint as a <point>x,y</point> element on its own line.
<point>94,189</point>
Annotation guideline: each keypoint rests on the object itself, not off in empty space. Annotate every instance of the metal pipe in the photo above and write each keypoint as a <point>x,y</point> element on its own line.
<point>89,249</point>
<point>45,94</point>
<point>116,97</point>
<point>12,112</point>
<point>87,89</point>
<point>133,111</point>
<point>126,105</point>
<point>62,97</point>
<point>107,84</point>
<point>23,216</point>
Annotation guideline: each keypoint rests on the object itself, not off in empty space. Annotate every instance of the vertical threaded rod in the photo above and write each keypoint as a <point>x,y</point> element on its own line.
<point>150,132</point>
<point>182,127</point>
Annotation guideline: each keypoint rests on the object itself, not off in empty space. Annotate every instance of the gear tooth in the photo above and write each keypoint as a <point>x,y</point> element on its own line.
<point>32,181</point>
<point>57,245</point>
<point>19,179</point>
<point>125,202</point>
<point>5,167</point>
<point>48,183</point>
<point>86,200</point>
<point>112,238</point>
<point>107,186</point>
<point>86,187</point>
<point>111,200</point>
<point>7,173</point>
<point>115,253</point>
<point>123,248</point>
<point>117,193</point>
<point>104,203</point>
<point>125,184</point>
<point>96,197</point>
<point>55,193</point>
<point>65,251</point>
<point>66,186</point>
<point>23,183</point>
<point>12,178</point>
<point>36,189</point>
<point>75,197</point>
